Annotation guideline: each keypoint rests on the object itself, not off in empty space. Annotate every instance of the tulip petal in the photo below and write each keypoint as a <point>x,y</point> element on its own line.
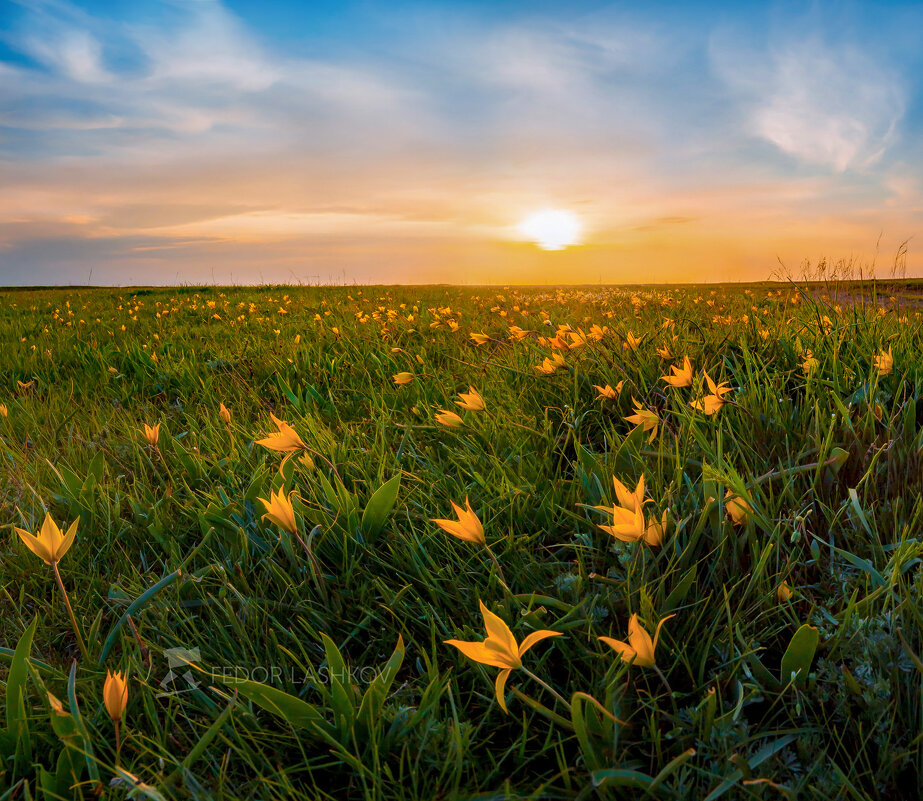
<point>500,634</point>
<point>477,652</point>
<point>34,544</point>
<point>500,688</point>
<point>536,637</point>
<point>68,539</point>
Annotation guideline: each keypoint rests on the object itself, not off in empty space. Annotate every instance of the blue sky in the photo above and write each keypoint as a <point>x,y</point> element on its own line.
<point>157,142</point>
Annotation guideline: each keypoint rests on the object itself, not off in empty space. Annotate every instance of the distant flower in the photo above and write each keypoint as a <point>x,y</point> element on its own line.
<point>784,592</point>
<point>884,362</point>
<point>151,434</point>
<point>468,527</point>
<point>480,339</point>
<point>681,377</point>
<point>450,419</point>
<point>645,418</point>
<point>810,364</point>
<point>224,414</point>
<point>711,403</point>
<point>737,508</point>
<point>639,650</point>
<point>664,352</point>
<point>500,649</point>
<point>3,410</point>
<point>609,393</point>
<point>632,342</point>
<point>471,400</point>
<point>403,378</point>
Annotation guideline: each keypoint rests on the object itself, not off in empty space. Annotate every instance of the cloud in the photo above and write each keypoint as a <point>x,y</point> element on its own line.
<point>832,105</point>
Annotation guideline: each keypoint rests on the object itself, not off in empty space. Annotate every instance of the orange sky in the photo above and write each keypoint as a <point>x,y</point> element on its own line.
<point>196,142</point>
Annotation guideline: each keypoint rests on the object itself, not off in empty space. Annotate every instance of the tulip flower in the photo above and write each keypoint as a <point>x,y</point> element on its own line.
<point>224,414</point>
<point>631,341</point>
<point>664,352</point>
<point>115,699</point>
<point>471,400</point>
<point>784,592</point>
<point>280,511</point>
<point>286,440</point>
<point>468,527</point>
<point>3,410</point>
<point>480,339</point>
<point>501,650</point>
<point>403,378</point>
<point>737,508</point>
<point>639,650</point>
<point>710,404</point>
<point>50,545</point>
<point>809,365</point>
<point>609,393</point>
<point>151,434</point>
<point>884,362</point>
<point>645,418</point>
<point>450,419</point>
<point>682,377</point>
<point>115,695</point>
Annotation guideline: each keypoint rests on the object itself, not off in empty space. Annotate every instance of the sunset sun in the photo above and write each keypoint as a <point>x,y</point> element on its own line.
<point>551,229</point>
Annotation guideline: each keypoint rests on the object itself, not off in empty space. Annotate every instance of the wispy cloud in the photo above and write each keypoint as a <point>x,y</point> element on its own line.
<point>177,132</point>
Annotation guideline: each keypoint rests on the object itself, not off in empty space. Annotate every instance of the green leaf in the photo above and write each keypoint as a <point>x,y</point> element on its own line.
<point>379,506</point>
<point>796,661</point>
<point>16,680</point>
<point>374,698</point>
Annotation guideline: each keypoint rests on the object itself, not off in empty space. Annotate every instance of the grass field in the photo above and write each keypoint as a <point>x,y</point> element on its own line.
<point>775,538</point>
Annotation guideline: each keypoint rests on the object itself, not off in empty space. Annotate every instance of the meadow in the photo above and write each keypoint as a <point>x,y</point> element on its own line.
<point>441,542</point>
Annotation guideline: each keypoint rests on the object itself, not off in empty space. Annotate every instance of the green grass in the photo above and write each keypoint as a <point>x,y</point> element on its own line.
<point>736,708</point>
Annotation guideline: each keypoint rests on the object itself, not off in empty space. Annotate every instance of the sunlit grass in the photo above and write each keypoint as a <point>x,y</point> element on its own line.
<point>317,487</point>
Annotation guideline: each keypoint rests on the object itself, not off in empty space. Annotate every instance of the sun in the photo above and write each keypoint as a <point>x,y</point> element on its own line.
<point>551,229</point>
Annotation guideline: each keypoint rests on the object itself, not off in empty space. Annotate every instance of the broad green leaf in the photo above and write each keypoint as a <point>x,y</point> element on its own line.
<point>796,661</point>
<point>380,505</point>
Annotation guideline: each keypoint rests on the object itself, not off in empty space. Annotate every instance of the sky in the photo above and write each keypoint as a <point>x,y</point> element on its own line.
<point>246,141</point>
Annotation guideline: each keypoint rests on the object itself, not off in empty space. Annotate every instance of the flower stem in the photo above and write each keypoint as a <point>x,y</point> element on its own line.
<point>70,612</point>
<point>547,686</point>
<point>493,558</point>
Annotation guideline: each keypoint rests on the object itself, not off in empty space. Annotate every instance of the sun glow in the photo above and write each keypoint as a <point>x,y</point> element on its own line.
<point>551,229</point>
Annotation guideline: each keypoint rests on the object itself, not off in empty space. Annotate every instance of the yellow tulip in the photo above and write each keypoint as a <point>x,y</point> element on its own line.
<point>609,393</point>
<point>809,365</point>
<point>884,362</point>
<point>468,527</point>
<point>784,592</point>
<point>450,419</point>
<point>710,404</point>
<point>224,414</point>
<point>285,440</point>
<point>682,377</point>
<point>151,434</point>
<point>737,508</point>
<point>280,511</point>
<point>480,339</point>
<point>645,418</point>
<point>632,342</point>
<point>500,649</point>
<point>471,400</point>
<point>639,650</point>
<point>49,544</point>
<point>115,695</point>
<point>664,352</point>
<point>403,378</point>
